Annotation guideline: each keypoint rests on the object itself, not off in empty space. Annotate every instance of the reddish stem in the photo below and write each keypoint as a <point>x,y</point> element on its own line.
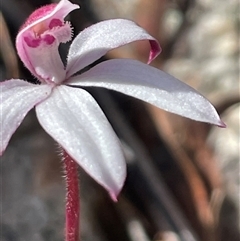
<point>73,201</point>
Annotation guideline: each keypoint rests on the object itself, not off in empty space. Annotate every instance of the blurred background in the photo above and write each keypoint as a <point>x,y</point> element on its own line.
<point>183,176</point>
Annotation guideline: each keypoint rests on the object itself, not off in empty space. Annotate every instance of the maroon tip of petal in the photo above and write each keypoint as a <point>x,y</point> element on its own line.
<point>222,124</point>
<point>113,196</point>
<point>155,50</point>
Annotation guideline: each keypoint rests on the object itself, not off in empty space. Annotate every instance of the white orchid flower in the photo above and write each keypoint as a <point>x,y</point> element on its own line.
<point>69,114</point>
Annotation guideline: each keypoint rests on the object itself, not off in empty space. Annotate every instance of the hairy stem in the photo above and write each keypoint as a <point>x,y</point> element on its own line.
<point>72,199</point>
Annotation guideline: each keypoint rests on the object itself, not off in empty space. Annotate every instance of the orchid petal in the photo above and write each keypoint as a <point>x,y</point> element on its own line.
<point>96,40</point>
<point>73,118</point>
<point>149,84</point>
<point>17,98</point>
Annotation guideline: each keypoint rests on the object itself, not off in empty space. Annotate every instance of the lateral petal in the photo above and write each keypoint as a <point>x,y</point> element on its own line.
<point>96,40</point>
<point>17,98</point>
<point>74,119</point>
<point>152,85</point>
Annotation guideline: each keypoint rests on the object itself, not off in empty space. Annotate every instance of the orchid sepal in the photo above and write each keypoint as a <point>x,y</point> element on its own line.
<point>74,119</point>
<point>18,97</point>
<point>149,84</point>
<point>95,41</point>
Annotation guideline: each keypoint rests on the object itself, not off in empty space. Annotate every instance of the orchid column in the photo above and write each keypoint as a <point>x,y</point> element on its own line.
<point>70,114</point>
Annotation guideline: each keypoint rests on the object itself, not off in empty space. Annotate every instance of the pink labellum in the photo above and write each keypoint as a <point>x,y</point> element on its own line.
<point>42,28</point>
